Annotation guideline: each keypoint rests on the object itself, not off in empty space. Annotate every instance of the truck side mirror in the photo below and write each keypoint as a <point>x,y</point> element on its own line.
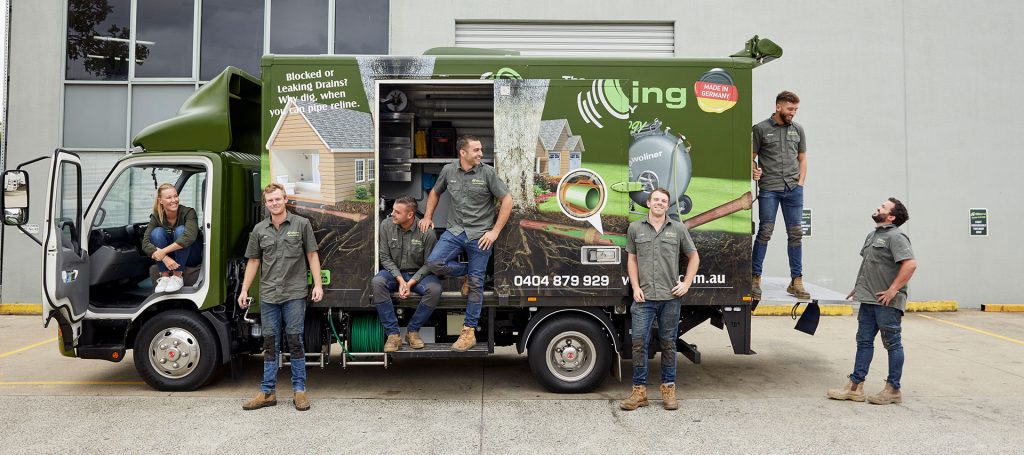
<point>15,201</point>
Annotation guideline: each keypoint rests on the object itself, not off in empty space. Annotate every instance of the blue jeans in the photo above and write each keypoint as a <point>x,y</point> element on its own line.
<point>666,312</point>
<point>442,262</point>
<point>294,314</point>
<point>768,202</point>
<point>870,320</point>
<point>429,289</point>
<point>160,238</point>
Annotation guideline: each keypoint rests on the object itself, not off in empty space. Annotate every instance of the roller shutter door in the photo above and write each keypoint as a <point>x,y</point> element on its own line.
<point>570,38</point>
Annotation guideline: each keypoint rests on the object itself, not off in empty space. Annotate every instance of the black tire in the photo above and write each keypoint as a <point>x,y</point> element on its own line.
<point>196,344</point>
<point>593,354</point>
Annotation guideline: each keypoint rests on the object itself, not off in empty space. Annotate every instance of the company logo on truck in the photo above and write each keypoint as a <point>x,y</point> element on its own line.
<point>607,96</point>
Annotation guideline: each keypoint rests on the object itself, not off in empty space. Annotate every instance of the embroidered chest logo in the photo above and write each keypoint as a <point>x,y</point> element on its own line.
<point>880,242</point>
<point>415,242</point>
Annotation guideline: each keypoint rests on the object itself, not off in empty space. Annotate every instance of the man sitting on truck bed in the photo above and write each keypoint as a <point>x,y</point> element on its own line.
<point>471,226</point>
<point>403,261</point>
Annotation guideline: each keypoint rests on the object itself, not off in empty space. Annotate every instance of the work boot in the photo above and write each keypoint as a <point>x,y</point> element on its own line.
<point>414,340</point>
<point>668,397</point>
<point>637,399</point>
<point>467,339</point>
<point>850,391</point>
<point>755,287</point>
<point>262,400</point>
<point>888,395</point>
<point>393,343</point>
<point>301,402</point>
<point>465,286</point>
<point>796,288</point>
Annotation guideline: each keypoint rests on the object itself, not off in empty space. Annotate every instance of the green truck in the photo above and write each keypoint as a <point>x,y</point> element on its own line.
<point>580,142</point>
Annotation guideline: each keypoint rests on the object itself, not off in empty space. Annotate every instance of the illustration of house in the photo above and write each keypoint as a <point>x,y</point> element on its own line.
<point>321,154</point>
<point>558,151</point>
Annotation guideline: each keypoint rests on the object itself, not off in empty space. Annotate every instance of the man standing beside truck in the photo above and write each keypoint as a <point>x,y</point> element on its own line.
<point>780,169</point>
<point>654,245</point>
<point>280,248</point>
<point>471,226</point>
<point>403,259</point>
<point>881,289</point>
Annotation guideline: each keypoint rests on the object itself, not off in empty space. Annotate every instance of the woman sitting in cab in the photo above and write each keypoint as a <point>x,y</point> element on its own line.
<point>170,239</point>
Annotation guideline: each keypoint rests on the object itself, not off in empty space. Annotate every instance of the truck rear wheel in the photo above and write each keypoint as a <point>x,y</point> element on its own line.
<point>569,355</point>
<point>176,351</point>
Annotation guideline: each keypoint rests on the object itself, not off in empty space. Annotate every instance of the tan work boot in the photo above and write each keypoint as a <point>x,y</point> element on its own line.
<point>850,391</point>
<point>668,397</point>
<point>755,287</point>
<point>465,286</point>
<point>796,288</point>
<point>300,401</point>
<point>414,340</point>
<point>262,400</point>
<point>888,395</point>
<point>467,339</point>
<point>637,399</point>
<point>394,343</point>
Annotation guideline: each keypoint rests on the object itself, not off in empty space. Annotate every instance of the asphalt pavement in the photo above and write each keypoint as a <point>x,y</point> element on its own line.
<point>962,389</point>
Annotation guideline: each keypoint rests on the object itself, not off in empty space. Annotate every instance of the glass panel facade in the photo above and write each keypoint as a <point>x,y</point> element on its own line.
<point>232,35</point>
<point>98,34</point>
<point>153,103</point>
<point>163,38</point>
<point>298,26</point>
<point>361,27</point>
<point>95,116</point>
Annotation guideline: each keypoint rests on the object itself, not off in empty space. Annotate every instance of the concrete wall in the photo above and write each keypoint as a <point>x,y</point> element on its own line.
<point>33,129</point>
<point>900,98</point>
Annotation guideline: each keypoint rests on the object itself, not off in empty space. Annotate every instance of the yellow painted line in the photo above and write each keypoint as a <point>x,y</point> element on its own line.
<point>1003,307</point>
<point>787,310</point>
<point>994,335</point>
<point>71,382</point>
<point>21,308</point>
<point>931,306</point>
<point>6,354</point>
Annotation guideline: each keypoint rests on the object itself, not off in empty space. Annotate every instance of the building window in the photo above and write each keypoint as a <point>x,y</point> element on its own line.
<point>360,171</point>
<point>232,35</point>
<point>361,27</point>
<point>154,103</point>
<point>298,26</point>
<point>163,38</point>
<point>370,171</point>
<point>98,35</point>
<point>95,116</point>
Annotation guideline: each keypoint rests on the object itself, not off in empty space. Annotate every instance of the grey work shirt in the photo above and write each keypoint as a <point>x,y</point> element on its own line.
<point>777,147</point>
<point>405,250</point>
<point>473,193</point>
<point>282,254</point>
<point>883,251</point>
<point>658,255</point>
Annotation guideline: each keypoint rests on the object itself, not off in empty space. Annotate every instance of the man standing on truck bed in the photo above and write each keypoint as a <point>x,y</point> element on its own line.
<point>280,247</point>
<point>471,226</point>
<point>654,245</point>
<point>403,259</point>
<point>881,289</point>
<point>780,168</point>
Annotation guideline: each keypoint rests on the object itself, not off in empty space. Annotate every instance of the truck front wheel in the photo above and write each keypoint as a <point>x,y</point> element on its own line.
<point>176,351</point>
<point>569,354</point>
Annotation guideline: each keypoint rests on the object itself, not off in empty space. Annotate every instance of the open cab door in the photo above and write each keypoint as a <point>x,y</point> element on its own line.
<point>66,265</point>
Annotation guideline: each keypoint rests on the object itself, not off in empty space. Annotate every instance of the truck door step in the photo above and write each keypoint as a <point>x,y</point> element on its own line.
<point>439,351</point>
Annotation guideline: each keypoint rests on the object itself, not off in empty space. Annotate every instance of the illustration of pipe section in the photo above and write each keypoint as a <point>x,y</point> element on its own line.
<point>591,236</point>
<point>582,199</point>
